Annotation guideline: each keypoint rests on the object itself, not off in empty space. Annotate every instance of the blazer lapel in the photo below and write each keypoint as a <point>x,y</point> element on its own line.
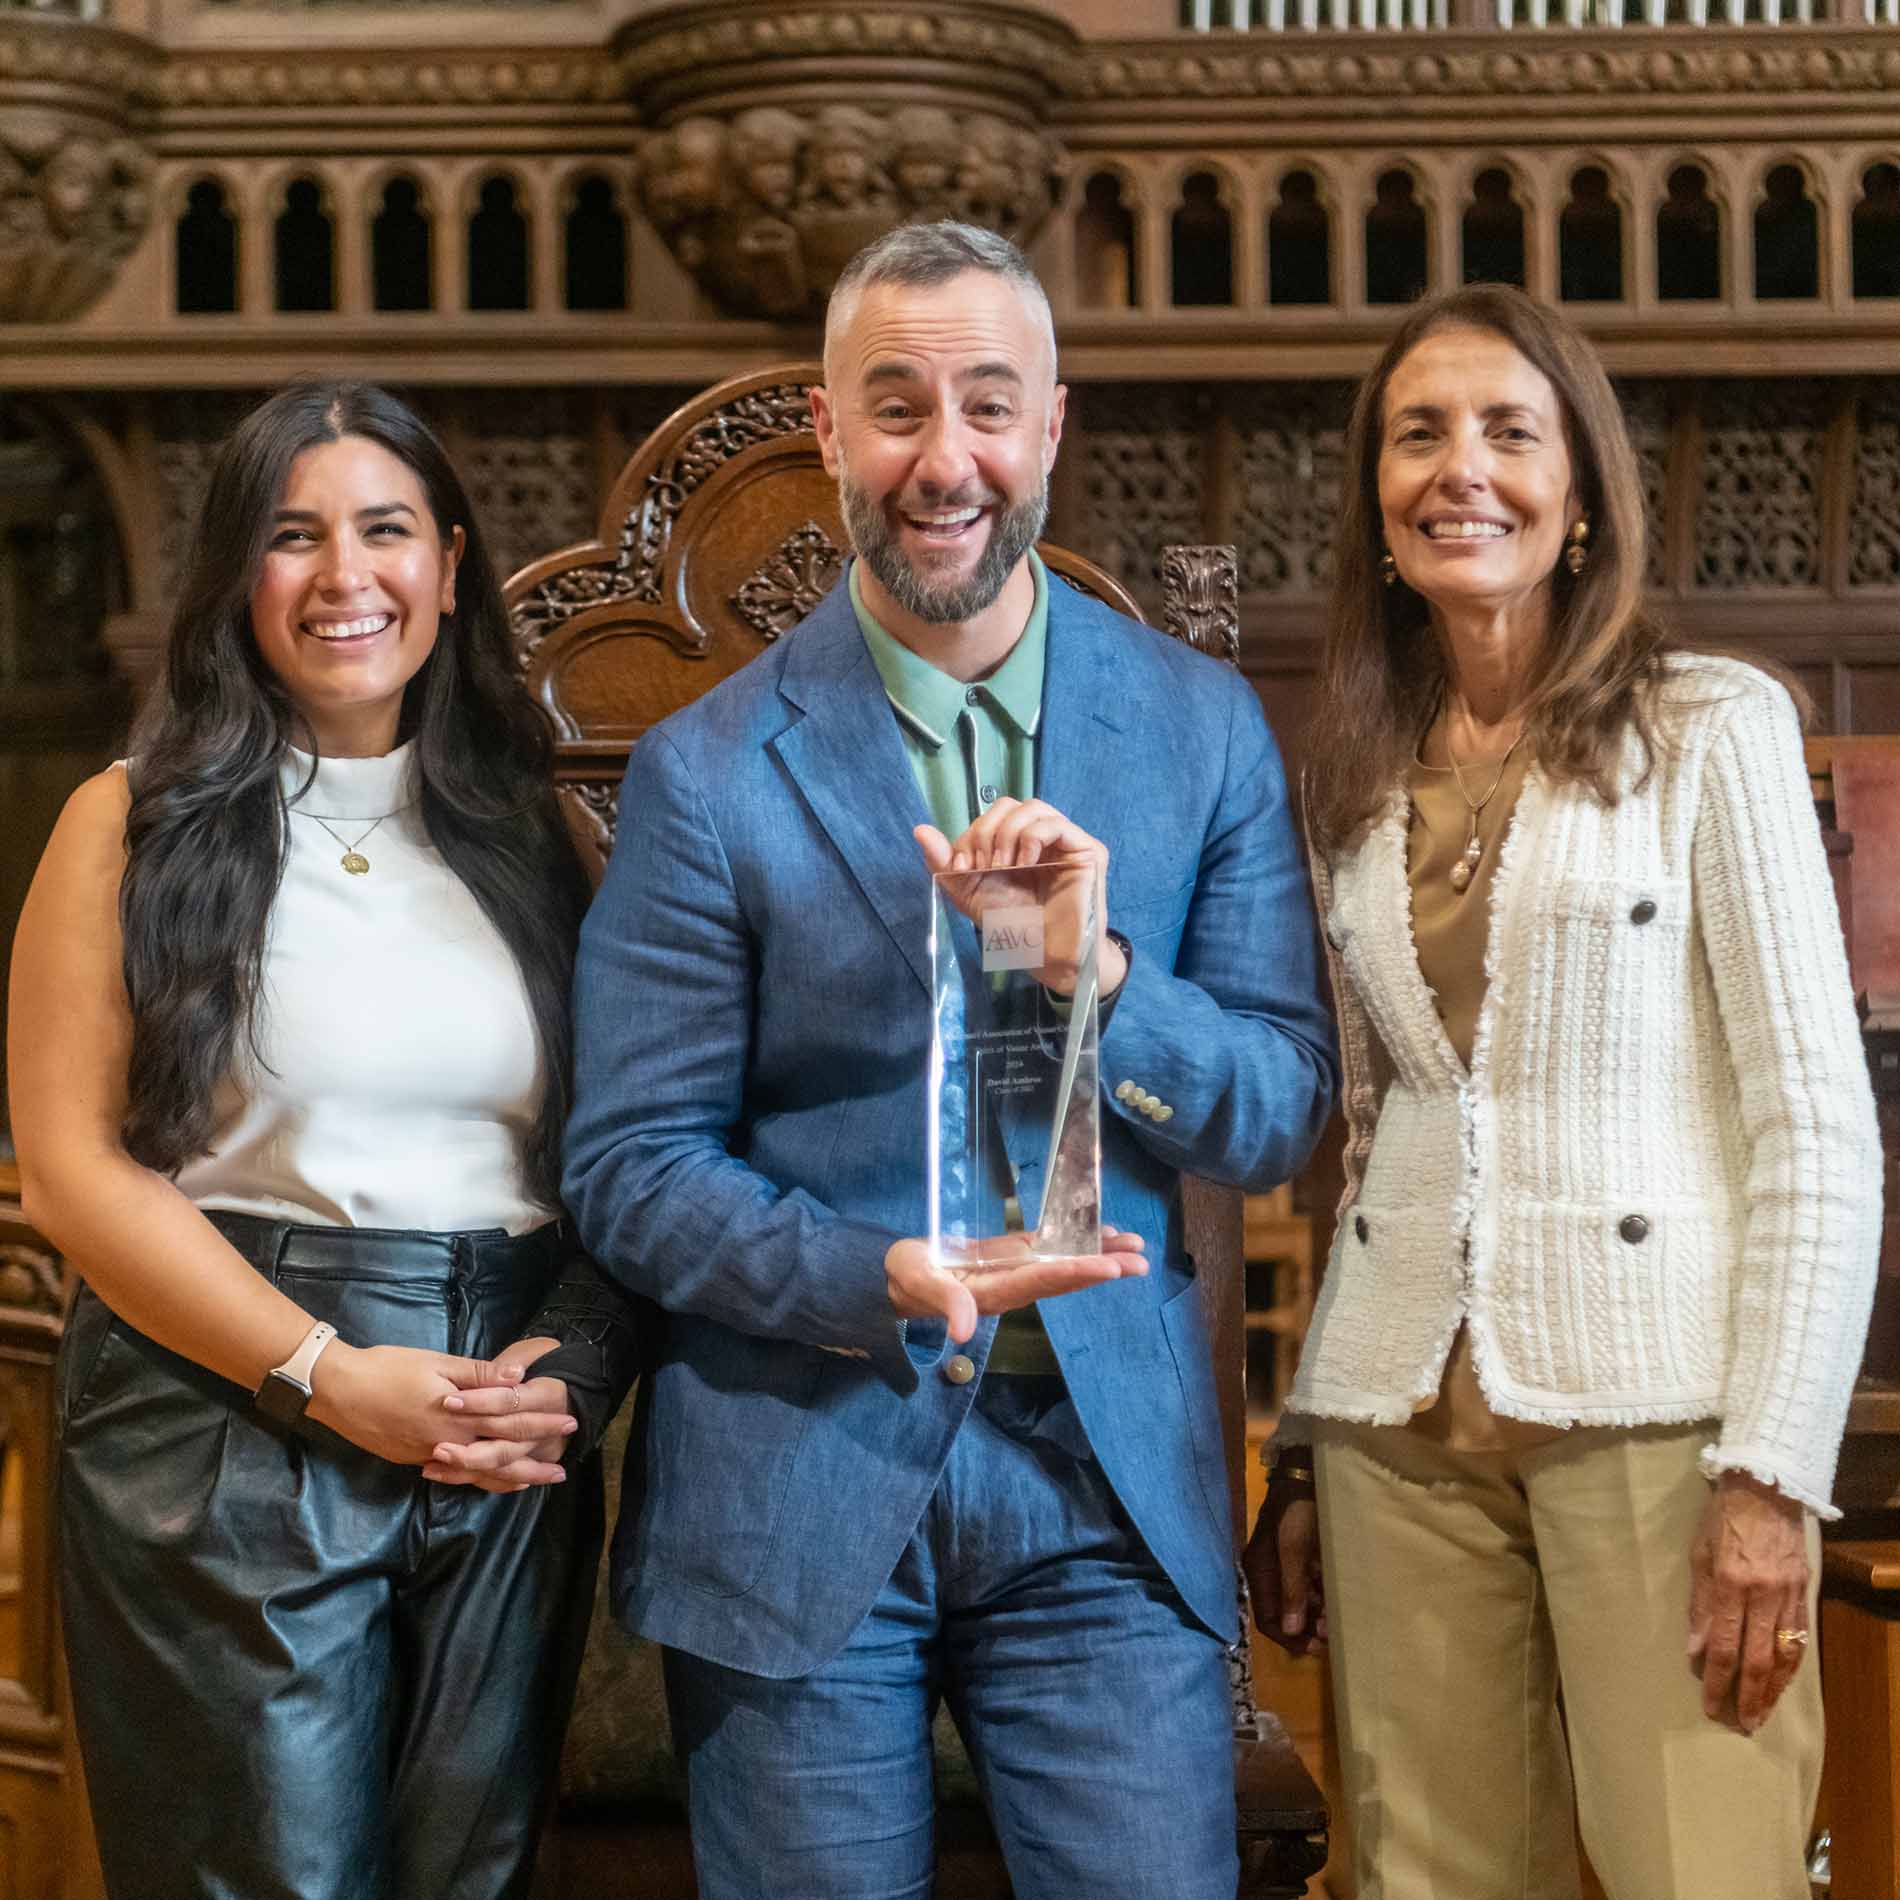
<point>1081,718</point>
<point>847,759</point>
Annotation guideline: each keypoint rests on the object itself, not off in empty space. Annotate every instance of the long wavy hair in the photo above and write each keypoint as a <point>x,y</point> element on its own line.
<point>206,832</point>
<point>1603,656</point>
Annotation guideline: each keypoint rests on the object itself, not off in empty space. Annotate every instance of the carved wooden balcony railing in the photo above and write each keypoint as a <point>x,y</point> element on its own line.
<point>1248,205</point>
<point>1371,16</point>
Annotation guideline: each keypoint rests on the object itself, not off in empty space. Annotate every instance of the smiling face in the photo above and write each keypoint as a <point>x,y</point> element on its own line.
<point>939,420</point>
<point>1476,490</point>
<point>351,591</point>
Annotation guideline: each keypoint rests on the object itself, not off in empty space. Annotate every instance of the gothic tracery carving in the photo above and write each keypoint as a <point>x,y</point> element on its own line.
<point>1758,522</point>
<point>1292,444</point>
<point>1646,410</point>
<point>1142,478</point>
<point>528,467</point>
<point>1874,519</point>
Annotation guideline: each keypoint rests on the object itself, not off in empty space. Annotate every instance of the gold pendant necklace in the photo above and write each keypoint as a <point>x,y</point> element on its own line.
<point>353,860</point>
<point>1466,866</point>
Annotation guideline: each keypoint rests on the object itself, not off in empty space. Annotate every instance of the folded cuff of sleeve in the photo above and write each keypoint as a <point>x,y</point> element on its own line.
<point>1764,1468</point>
<point>1293,1433</point>
<point>606,1341</point>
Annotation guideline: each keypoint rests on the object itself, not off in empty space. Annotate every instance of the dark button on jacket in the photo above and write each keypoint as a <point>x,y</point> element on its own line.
<point>1642,910</point>
<point>1633,1228</point>
<point>1360,1228</point>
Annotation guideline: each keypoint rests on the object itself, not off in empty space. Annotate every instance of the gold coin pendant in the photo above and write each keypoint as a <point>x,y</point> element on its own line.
<point>355,863</point>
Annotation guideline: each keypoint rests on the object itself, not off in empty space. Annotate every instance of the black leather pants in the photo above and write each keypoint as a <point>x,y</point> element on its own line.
<point>300,1672</point>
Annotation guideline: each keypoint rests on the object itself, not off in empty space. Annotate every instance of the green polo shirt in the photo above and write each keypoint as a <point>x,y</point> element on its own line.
<point>970,743</point>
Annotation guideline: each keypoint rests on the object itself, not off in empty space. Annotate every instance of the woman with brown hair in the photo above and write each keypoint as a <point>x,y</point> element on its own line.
<point>1577,1377</point>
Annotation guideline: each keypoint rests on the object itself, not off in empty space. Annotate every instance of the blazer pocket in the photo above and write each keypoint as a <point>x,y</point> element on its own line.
<point>1618,942</point>
<point>1617,905</point>
<point>1185,1327</point>
<point>719,1391</point>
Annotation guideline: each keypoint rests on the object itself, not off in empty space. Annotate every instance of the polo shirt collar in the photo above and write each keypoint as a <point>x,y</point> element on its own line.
<point>928,699</point>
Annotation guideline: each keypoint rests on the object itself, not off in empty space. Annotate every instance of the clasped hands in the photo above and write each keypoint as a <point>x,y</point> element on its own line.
<point>464,1421</point>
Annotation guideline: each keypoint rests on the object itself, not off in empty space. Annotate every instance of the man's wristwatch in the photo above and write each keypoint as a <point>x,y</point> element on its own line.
<point>286,1388</point>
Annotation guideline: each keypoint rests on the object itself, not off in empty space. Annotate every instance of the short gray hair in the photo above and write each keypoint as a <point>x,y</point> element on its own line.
<point>922,256</point>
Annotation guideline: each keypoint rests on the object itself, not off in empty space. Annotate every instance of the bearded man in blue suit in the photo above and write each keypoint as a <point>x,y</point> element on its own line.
<point>860,1484</point>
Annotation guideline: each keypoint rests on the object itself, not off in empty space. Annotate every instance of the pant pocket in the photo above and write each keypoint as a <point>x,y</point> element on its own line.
<point>90,1332</point>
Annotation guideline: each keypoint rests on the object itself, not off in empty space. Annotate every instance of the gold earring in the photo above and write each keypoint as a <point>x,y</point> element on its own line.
<point>1577,553</point>
<point>1389,568</point>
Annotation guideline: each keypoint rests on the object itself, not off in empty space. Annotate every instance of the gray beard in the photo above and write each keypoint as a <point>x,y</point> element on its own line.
<point>1013,532</point>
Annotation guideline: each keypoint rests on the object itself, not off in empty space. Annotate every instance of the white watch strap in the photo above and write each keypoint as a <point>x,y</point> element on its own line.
<point>303,1362</point>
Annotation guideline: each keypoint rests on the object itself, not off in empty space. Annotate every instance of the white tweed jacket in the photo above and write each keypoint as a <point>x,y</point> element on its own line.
<point>1655,1195</point>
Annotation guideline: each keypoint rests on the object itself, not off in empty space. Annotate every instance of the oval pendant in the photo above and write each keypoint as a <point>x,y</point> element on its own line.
<point>1460,875</point>
<point>355,863</point>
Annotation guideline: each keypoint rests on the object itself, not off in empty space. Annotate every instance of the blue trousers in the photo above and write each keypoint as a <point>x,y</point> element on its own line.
<point>1095,1710</point>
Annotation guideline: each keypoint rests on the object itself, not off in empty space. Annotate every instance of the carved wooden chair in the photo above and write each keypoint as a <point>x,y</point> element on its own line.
<point>722,533</point>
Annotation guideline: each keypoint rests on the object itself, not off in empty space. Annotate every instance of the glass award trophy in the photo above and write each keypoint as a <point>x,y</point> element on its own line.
<point>1014,1098</point>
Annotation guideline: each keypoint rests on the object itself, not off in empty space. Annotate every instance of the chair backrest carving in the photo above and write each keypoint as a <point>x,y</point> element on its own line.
<point>721,533</point>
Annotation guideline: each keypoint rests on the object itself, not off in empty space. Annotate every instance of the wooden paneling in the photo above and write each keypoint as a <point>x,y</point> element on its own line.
<point>1860,1675</point>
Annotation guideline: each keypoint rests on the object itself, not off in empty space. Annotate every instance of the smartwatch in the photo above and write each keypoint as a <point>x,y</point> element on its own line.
<point>286,1388</point>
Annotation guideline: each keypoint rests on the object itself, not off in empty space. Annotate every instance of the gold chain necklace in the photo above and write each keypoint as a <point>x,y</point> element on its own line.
<point>353,860</point>
<point>1466,866</point>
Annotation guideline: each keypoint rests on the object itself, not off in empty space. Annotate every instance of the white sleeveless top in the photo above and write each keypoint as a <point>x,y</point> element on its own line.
<point>400,1074</point>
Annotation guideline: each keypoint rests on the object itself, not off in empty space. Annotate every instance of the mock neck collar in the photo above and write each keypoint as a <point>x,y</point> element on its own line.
<point>350,788</point>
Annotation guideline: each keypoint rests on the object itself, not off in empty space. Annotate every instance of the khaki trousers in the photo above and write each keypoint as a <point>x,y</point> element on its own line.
<point>1462,1591</point>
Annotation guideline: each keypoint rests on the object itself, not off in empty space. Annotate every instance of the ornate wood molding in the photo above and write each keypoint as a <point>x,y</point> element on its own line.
<point>259,84</point>
<point>46,59</point>
<point>1200,590</point>
<point>789,141</point>
<point>31,1280</point>
<point>696,52</point>
<point>630,568</point>
<point>796,578</point>
<point>1413,72</point>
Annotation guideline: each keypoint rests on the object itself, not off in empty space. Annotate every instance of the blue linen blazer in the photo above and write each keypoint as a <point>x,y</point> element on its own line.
<point>753,1027</point>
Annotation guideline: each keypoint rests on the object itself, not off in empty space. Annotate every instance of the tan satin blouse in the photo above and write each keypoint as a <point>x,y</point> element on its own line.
<point>1449,931</point>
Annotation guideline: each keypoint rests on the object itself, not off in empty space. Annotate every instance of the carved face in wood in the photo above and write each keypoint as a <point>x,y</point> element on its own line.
<point>349,597</point>
<point>21,214</point>
<point>940,420</point>
<point>765,147</point>
<point>1475,485</point>
<point>72,182</point>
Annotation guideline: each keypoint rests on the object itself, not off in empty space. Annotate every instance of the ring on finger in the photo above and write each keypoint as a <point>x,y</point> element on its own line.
<point>1791,1639</point>
<point>514,1392</point>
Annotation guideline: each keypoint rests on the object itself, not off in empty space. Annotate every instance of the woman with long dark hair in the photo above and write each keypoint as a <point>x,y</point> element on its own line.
<point>290,1061</point>
<point>1578,1372</point>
